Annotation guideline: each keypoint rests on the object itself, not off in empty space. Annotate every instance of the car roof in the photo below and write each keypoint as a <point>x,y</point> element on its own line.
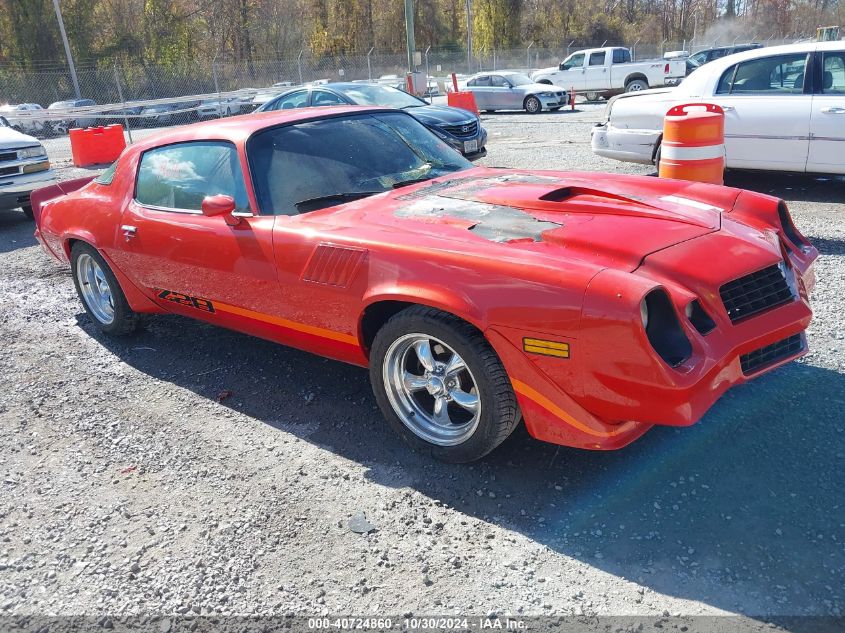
<point>239,128</point>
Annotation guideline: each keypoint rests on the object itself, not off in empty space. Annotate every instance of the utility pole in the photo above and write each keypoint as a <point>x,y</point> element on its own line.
<point>409,30</point>
<point>469,36</point>
<point>67,48</point>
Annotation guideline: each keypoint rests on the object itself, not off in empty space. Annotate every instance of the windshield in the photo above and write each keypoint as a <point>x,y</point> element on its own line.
<point>371,94</point>
<point>699,58</point>
<point>518,79</point>
<point>316,164</point>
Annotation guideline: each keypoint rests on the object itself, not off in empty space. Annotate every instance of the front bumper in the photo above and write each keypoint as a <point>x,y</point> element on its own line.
<point>612,387</point>
<point>464,143</point>
<point>15,192</point>
<point>632,146</point>
<point>554,102</point>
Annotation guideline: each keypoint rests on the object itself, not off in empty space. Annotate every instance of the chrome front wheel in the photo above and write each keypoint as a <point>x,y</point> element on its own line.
<point>95,289</point>
<point>431,389</point>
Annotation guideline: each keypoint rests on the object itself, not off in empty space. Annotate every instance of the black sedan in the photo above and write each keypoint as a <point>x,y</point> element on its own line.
<point>458,127</point>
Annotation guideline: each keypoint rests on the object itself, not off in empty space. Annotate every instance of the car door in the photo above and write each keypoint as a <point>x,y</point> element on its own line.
<point>502,95</point>
<point>596,76</point>
<point>480,88</point>
<point>827,121</point>
<point>190,262</point>
<point>767,112</point>
<point>573,74</point>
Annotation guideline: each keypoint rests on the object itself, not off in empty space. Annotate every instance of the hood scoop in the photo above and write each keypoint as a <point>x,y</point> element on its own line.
<point>563,194</point>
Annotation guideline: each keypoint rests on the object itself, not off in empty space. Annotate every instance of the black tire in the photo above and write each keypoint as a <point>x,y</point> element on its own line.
<point>532,105</point>
<point>125,320</point>
<point>27,211</point>
<point>499,412</point>
<point>635,85</point>
<point>657,158</point>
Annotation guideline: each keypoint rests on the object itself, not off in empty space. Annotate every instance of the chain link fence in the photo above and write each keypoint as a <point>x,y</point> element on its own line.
<point>145,97</point>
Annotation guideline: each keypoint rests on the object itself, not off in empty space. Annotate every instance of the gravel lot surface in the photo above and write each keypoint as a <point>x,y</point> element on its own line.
<point>194,470</point>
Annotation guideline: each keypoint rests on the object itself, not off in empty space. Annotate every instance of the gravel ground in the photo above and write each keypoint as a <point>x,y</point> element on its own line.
<point>195,470</point>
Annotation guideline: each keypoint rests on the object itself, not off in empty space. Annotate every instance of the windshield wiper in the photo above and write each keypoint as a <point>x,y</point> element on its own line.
<point>411,181</point>
<point>320,202</point>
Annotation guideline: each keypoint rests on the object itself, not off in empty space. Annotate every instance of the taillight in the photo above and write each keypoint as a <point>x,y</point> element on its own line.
<point>666,69</point>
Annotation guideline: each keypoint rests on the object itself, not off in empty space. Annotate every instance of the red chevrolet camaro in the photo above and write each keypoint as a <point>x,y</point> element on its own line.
<point>590,306</point>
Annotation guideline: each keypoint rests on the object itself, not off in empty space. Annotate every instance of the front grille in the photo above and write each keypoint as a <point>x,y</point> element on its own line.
<point>755,293</point>
<point>771,354</point>
<point>463,130</point>
<point>8,156</point>
<point>9,171</point>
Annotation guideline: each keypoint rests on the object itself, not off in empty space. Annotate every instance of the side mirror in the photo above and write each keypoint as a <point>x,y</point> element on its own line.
<point>220,204</point>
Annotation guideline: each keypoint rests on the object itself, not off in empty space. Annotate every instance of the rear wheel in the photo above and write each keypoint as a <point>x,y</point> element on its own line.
<point>100,292</point>
<point>533,105</point>
<point>592,96</point>
<point>635,85</point>
<point>441,386</point>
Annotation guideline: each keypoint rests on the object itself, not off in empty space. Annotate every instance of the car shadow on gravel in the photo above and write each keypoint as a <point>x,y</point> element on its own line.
<point>788,186</point>
<point>742,511</point>
<point>17,230</point>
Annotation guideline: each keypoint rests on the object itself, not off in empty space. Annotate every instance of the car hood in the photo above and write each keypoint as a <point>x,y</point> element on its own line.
<point>608,220</point>
<point>440,115</point>
<point>10,139</point>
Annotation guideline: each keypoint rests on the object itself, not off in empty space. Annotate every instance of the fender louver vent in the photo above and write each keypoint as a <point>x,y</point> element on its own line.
<point>333,265</point>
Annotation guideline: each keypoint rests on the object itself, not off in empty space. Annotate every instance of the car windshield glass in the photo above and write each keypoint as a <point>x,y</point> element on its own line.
<point>518,79</point>
<point>369,94</point>
<point>317,164</point>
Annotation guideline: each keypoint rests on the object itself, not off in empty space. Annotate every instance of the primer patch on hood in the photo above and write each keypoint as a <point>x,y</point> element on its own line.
<point>494,222</point>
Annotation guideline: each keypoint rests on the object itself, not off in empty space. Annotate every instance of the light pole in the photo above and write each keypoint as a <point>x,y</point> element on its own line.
<point>67,49</point>
<point>409,32</point>
<point>469,36</point>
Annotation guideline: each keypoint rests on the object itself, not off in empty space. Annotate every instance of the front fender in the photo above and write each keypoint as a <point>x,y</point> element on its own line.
<point>433,296</point>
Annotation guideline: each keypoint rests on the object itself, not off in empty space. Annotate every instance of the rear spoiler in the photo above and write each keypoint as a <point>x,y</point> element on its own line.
<point>40,197</point>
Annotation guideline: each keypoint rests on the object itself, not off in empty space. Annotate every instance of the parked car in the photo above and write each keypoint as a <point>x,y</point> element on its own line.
<point>220,107</point>
<point>604,72</point>
<point>508,90</point>
<point>161,114</point>
<point>709,54</point>
<point>24,117</point>
<point>458,127</point>
<point>77,120</point>
<point>784,110</point>
<point>590,306</point>
<point>24,167</point>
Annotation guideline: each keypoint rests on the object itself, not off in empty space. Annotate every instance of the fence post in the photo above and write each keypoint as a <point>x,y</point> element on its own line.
<point>528,56</point>
<point>123,102</point>
<point>568,46</point>
<point>369,67</point>
<point>217,87</point>
<point>299,64</point>
<point>427,87</point>
<point>634,50</point>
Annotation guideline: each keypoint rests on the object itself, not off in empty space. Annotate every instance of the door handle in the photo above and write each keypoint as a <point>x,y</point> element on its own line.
<point>834,110</point>
<point>726,108</point>
<point>129,231</point>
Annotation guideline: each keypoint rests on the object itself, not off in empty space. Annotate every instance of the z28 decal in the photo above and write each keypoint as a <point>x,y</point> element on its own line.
<point>185,300</point>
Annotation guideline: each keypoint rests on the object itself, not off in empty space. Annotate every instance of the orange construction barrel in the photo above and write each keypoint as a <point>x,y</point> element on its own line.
<point>96,145</point>
<point>693,146</point>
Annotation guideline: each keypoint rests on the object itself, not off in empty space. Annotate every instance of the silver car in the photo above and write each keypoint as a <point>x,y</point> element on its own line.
<point>509,90</point>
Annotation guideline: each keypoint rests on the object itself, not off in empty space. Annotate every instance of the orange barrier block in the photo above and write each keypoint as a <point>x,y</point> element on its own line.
<point>465,100</point>
<point>693,146</point>
<point>96,145</point>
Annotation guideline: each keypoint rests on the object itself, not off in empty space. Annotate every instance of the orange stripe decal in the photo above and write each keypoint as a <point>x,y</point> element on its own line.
<point>535,396</point>
<point>291,325</point>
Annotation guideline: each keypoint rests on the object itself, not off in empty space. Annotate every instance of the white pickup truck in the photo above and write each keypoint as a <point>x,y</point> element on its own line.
<point>604,72</point>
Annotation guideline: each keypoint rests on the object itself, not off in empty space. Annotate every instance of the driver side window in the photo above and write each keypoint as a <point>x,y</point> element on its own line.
<point>498,81</point>
<point>296,99</point>
<point>324,98</point>
<point>775,75</point>
<point>576,61</point>
<point>177,177</point>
